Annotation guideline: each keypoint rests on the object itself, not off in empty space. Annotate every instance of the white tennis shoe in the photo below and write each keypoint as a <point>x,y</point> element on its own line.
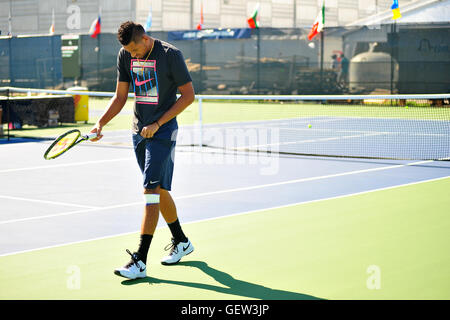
<point>177,251</point>
<point>134,269</point>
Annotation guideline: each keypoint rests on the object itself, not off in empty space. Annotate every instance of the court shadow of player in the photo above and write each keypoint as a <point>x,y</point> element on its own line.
<point>233,286</point>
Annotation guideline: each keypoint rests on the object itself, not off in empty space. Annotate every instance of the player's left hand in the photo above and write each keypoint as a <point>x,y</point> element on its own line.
<point>150,130</point>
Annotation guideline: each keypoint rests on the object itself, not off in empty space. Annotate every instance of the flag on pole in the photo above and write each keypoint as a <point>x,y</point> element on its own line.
<point>200,25</point>
<point>9,22</point>
<point>52,27</point>
<point>148,24</point>
<point>95,27</point>
<point>395,10</point>
<point>318,23</point>
<point>253,21</point>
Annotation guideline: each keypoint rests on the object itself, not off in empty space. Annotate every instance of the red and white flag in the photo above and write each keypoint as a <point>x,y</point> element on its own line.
<point>95,27</point>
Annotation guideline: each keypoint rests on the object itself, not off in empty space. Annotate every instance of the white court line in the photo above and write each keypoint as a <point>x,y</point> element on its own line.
<point>204,194</point>
<point>65,165</point>
<point>228,215</point>
<point>359,131</point>
<point>309,141</point>
<point>263,124</point>
<point>49,202</point>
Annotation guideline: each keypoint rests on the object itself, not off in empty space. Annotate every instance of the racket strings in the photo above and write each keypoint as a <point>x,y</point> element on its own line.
<point>62,144</point>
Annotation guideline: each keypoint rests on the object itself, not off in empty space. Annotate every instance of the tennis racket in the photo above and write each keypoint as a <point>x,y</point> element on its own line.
<point>65,142</point>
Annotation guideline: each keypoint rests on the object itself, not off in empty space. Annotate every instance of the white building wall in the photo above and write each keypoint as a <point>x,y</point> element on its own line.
<point>35,16</point>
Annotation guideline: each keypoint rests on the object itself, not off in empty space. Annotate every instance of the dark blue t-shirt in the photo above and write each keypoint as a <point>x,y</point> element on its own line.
<point>155,82</point>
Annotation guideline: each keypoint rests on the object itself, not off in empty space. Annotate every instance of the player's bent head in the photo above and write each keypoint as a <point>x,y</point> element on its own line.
<point>133,38</point>
<point>130,32</point>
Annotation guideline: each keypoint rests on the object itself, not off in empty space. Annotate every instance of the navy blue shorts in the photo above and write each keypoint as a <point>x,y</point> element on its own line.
<point>155,157</point>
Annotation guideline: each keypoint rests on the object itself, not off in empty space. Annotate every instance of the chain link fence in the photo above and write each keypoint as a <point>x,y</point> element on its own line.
<point>382,59</point>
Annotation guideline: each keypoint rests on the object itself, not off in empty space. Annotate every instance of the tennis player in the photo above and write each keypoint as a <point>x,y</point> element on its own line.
<point>156,70</point>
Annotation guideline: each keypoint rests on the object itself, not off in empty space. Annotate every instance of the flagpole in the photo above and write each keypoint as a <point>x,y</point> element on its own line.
<point>201,64</point>
<point>321,60</point>
<point>258,60</point>
<point>191,9</point>
<point>322,45</point>
<point>295,14</point>
<point>10,21</point>
<point>393,52</point>
<point>53,45</point>
<point>98,46</point>
<point>394,40</point>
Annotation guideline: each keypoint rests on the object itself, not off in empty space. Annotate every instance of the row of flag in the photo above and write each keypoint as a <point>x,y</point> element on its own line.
<point>94,30</point>
<point>317,27</point>
<point>253,20</point>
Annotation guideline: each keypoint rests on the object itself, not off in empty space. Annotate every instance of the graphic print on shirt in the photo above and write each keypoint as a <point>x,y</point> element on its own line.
<point>145,81</point>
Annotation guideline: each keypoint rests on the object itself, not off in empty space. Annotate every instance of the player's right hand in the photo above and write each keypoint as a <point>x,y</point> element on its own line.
<point>98,130</point>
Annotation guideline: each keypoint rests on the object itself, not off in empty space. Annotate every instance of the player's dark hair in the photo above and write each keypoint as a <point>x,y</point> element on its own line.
<point>129,31</point>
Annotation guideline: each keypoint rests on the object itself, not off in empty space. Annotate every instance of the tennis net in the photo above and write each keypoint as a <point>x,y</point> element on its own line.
<point>385,127</point>
<point>411,127</point>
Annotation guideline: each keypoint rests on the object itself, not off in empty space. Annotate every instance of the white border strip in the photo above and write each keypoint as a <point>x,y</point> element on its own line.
<point>248,97</point>
<point>65,165</point>
<point>49,202</point>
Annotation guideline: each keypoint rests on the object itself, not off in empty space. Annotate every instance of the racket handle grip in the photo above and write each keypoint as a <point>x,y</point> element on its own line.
<point>91,136</point>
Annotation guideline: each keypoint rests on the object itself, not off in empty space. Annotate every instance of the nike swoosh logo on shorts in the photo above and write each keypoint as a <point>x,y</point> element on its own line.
<point>154,181</point>
<point>140,83</point>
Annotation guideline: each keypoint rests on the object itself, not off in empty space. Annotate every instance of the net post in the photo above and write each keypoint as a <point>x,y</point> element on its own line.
<point>8,114</point>
<point>200,120</point>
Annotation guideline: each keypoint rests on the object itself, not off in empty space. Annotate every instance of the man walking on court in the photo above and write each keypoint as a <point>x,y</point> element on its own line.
<point>156,70</point>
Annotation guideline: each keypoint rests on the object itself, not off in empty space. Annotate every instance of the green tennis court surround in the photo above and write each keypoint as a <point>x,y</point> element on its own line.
<point>388,244</point>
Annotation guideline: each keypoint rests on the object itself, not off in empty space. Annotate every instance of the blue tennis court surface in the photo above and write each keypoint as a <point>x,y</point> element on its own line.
<point>95,190</point>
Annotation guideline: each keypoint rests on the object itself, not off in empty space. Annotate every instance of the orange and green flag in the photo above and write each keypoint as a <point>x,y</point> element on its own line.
<point>318,24</point>
<point>253,21</point>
